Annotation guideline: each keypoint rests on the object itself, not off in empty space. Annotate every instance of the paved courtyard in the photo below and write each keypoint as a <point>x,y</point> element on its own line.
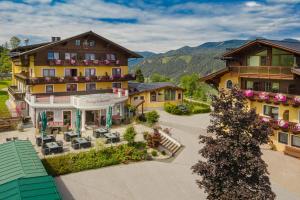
<point>170,180</point>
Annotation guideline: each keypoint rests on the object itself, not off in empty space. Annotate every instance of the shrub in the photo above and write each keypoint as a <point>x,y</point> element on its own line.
<point>187,108</point>
<point>163,153</point>
<point>154,153</point>
<point>173,109</point>
<point>200,109</point>
<point>152,117</point>
<point>75,162</point>
<point>145,135</point>
<point>142,118</point>
<point>129,135</point>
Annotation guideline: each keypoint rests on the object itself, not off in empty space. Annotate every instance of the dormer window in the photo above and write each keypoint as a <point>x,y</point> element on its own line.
<point>53,55</point>
<point>92,43</point>
<point>77,42</point>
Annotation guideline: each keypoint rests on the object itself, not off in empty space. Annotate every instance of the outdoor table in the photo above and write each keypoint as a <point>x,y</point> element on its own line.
<point>99,132</point>
<point>45,139</point>
<point>111,137</point>
<point>81,143</point>
<point>69,135</point>
<point>52,147</point>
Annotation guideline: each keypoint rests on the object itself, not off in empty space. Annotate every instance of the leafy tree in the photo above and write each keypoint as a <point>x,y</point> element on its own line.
<point>129,135</point>
<point>5,63</point>
<point>189,83</point>
<point>155,77</point>
<point>14,42</point>
<point>232,168</point>
<point>139,76</point>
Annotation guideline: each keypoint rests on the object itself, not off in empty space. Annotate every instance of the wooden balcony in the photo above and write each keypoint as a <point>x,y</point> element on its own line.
<point>77,62</point>
<point>76,79</point>
<point>264,72</point>
<point>291,100</point>
<point>15,93</point>
<point>285,126</point>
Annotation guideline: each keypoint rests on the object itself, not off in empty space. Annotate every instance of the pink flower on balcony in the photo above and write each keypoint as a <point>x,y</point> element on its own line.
<point>73,61</point>
<point>48,79</point>
<point>263,96</point>
<point>296,128</point>
<point>265,119</point>
<point>58,62</point>
<point>106,62</point>
<point>86,62</point>
<point>87,78</point>
<point>117,62</point>
<point>280,98</point>
<point>76,78</point>
<point>249,93</point>
<point>283,124</point>
<point>297,100</point>
<point>96,62</point>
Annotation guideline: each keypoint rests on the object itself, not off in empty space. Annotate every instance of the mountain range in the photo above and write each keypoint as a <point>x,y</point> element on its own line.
<point>202,59</point>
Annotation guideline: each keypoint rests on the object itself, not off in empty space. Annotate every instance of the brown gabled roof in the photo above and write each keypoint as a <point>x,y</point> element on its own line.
<point>34,50</point>
<point>136,88</point>
<point>216,74</point>
<point>290,46</point>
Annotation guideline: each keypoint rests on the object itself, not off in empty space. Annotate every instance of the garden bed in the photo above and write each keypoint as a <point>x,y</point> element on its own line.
<point>93,159</point>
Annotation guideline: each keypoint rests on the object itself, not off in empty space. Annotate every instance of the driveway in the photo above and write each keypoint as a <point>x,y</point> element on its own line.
<point>170,180</point>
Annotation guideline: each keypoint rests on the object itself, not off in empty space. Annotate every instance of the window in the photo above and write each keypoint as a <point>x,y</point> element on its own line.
<point>71,87</point>
<point>49,88</point>
<point>69,56</point>
<point>283,138</point>
<point>53,55</point>
<point>116,85</point>
<point>92,43</point>
<point>169,94</point>
<point>263,61</point>
<point>77,42</point>
<point>116,72</point>
<point>271,87</point>
<point>153,96</point>
<point>179,96</point>
<point>142,98</point>
<point>295,141</point>
<point>90,86</point>
<point>90,72</point>
<point>50,116</point>
<point>275,87</point>
<point>135,98</point>
<point>249,85</point>
<point>292,89</point>
<point>256,86</point>
<point>286,115</point>
<point>110,56</point>
<point>229,84</point>
<point>70,72</point>
<point>89,56</point>
<point>48,72</point>
<point>271,111</point>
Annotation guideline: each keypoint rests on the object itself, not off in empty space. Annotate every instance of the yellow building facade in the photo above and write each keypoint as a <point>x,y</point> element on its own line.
<point>267,72</point>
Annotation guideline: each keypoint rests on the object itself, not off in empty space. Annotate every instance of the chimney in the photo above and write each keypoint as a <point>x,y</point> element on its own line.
<point>55,39</point>
<point>26,41</point>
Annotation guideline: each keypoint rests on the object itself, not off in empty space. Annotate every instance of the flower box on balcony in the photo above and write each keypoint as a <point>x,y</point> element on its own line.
<point>263,96</point>
<point>280,98</point>
<point>105,78</point>
<point>61,79</point>
<point>117,62</point>
<point>296,129</point>
<point>296,101</point>
<point>73,61</point>
<point>96,62</point>
<point>107,62</point>
<point>85,62</point>
<point>58,62</point>
<point>47,79</point>
<point>283,124</point>
<point>266,119</point>
<point>249,93</point>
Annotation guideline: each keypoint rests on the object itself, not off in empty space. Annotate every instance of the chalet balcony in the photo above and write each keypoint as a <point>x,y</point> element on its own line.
<point>77,79</point>
<point>15,93</point>
<point>274,98</point>
<point>265,72</point>
<point>281,124</point>
<point>76,62</point>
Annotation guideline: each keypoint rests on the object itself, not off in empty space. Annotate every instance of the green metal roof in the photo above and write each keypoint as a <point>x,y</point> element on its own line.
<point>18,159</point>
<point>33,188</point>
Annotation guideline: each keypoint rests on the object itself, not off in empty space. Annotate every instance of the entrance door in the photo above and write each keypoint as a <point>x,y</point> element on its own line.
<point>67,116</point>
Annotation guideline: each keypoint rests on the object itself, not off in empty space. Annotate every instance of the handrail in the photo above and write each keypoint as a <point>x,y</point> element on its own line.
<point>170,138</point>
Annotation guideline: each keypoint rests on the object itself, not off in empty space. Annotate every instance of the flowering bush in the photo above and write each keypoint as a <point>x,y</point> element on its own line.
<point>263,96</point>
<point>283,124</point>
<point>280,98</point>
<point>249,93</point>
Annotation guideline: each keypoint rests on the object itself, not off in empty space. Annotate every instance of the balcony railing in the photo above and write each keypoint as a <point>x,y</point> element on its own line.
<point>15,93</point>
<point>76,62</point>
<point>281,124</point>
<point>274,98</point>
<point>280,72</point>
<point>78,79</point>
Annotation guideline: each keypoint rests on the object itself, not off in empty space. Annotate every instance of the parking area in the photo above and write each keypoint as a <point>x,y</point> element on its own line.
<point>171,180</point>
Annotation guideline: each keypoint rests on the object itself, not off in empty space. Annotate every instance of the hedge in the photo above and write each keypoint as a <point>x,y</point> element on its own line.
<point>187,108</point>
<point>93,159</point>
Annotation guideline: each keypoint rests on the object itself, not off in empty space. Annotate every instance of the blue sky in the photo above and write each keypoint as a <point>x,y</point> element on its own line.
<point>151,25</point>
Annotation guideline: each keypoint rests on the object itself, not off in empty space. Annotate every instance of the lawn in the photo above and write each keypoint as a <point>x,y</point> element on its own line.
<point>4,112</point>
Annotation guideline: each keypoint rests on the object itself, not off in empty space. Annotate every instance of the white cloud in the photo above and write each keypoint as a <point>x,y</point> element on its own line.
<point>157,29</point>
<point>252,4</point>
<point>38,1</point>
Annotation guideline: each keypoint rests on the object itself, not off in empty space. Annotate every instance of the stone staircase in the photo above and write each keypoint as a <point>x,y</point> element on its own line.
<point>169,143</point>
